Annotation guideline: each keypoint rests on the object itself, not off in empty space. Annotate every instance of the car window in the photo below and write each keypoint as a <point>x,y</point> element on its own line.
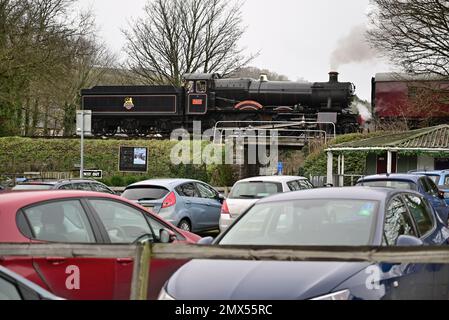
<point>206,191</point>
<point>446,180</point>
<point>122,223</point>
<point>432,187</point>
<point>145,193</point>
<point>255,190</point>
<point>100,188</point>
<point>61,221</point>
<point>84,186</point>
<point>68,186</point>
<point>294,185</point>
<point>188,190</point>
<point>394,184</point>
<point>32,187</point>
<point>397,222</point>
<point>434,178</point>
<point>8,291</point>
<point>420,213</point>
<point>305,184</point>
<point>325,222</point>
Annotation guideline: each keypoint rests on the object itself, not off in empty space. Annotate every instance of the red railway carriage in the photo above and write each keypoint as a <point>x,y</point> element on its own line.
<point>411,97</point>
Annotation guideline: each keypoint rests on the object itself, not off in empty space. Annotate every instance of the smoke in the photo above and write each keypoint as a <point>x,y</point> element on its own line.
<point>364,112</point>
<point>352,48</point>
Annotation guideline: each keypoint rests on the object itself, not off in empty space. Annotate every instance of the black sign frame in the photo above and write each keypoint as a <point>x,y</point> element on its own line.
<point>133,159</point>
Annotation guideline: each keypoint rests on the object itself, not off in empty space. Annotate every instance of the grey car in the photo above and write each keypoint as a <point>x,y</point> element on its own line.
<point>189,204</point>
<point>69,184</point>
<point>15,287</point>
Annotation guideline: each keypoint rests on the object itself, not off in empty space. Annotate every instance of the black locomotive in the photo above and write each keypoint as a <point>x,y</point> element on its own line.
<point>144,110</point>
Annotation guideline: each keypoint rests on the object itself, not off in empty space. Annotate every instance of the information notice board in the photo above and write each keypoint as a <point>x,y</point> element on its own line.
<point>133,159</point>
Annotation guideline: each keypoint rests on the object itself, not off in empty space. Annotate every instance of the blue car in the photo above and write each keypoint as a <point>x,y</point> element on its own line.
<point>358,216</point>
<point>189,204</point>
<point>441,179</point>
<point>421,183</point>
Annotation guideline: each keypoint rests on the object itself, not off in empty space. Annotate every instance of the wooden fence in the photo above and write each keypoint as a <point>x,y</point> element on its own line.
<point>144,253</point>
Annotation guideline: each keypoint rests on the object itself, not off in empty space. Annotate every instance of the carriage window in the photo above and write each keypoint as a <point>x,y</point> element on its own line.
<point>201,86</point>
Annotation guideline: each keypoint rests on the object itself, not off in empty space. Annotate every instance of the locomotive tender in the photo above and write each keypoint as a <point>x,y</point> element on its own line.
<point>144,110</point>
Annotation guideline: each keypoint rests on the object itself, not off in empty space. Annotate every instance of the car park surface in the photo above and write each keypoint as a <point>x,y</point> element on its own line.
<point>189,204</point>
<point>72,184</point>
<point>248,191</point>
<point>86,218</point>
<point>358,216</point>
<point>16,287</point>
<point>420,183</point>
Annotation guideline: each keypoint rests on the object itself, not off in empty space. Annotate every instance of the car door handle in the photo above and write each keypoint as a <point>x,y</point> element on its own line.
<point>125,261</point>
<point>56,260</point>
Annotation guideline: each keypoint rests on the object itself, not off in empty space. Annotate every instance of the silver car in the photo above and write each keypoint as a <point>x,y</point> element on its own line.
<point>188,204</point>
<point>248,191</point>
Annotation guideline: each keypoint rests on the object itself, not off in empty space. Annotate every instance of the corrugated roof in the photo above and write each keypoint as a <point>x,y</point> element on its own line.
<point>427,138</point>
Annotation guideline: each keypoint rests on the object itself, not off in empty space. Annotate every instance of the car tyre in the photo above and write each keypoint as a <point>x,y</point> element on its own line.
<point>185,225</point>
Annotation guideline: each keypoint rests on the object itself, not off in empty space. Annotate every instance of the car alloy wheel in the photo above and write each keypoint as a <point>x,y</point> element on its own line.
<point>185,225</point>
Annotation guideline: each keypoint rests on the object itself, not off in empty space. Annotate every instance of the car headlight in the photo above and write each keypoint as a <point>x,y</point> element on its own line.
<point>164,295</point>
<point>341,295</point>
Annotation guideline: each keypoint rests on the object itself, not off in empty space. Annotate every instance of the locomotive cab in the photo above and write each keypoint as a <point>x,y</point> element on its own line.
<point>198,90</point>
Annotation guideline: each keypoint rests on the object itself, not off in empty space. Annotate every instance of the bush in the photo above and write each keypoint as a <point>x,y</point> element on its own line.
<point>118,181</point>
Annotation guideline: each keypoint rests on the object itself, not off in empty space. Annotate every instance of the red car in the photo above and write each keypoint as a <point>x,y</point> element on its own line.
<point>83,217</point>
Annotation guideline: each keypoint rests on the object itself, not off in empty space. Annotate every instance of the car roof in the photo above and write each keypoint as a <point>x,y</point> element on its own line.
<point>273,179</point>
<point>26,198</point>
<point>352,193</point>
<point>395,176</point>
<point>434,172</point>
<point>167,183</point>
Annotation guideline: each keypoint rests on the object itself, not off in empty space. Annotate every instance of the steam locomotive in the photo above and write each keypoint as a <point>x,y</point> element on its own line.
<point>145,110</point>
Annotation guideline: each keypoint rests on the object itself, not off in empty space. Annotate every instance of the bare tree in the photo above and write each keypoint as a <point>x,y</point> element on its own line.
<point>186,36</point>
<point>412,33</point>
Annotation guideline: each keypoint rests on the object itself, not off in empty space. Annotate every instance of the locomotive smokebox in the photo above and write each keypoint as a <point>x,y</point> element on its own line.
<point>333,77</point>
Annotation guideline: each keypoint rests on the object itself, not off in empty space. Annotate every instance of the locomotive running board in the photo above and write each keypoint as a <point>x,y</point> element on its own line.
<point>288,133</point>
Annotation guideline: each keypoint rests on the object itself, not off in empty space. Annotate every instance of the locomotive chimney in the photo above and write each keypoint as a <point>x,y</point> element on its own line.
<point>333,77</point>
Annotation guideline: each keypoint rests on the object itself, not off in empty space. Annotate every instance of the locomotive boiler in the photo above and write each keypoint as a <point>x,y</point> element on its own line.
<point>144,110</point>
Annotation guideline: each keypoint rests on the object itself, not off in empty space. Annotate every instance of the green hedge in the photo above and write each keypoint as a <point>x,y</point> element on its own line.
<point>61,155</point>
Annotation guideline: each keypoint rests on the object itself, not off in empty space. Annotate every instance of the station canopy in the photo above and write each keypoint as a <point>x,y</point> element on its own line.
<point>433,139</point>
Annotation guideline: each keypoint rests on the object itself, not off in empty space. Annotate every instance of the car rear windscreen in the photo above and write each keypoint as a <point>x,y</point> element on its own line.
<point>394,184</point>
<point>32,187</point>
<point>142,193</point>
<point>255,190</point>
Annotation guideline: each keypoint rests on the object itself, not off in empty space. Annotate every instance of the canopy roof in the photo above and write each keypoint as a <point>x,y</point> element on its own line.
<point>434,139</point>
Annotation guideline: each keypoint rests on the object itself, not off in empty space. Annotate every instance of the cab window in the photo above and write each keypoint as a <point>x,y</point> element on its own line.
<point>201,86</point>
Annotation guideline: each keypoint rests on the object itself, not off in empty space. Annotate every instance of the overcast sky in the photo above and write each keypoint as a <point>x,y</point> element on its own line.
<point>297,38</point>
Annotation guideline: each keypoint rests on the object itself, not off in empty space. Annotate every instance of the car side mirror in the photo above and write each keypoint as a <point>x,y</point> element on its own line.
<point>409,241</point>
<point>167,236</point>
<point>206,241</point>
<point>221,198</point>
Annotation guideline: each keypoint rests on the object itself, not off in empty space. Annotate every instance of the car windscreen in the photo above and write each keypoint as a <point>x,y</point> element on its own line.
<point>142,193</point>
<point>321,222</point>
<point>394,184</point>
<point>32,187</point>
<point>255,190</point>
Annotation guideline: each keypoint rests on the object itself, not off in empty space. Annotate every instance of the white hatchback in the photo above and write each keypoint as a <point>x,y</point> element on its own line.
<point>248,191</point>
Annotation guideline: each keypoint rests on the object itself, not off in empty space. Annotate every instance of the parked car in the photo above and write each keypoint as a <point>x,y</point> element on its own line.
<point>355,216</point>
<point>16,287</point>
<point>441,179</point>
<point>248,191</point>
<point>189,204</point>
<point>87,218</point>
<point>71,184</point>
<point>420,183</point>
